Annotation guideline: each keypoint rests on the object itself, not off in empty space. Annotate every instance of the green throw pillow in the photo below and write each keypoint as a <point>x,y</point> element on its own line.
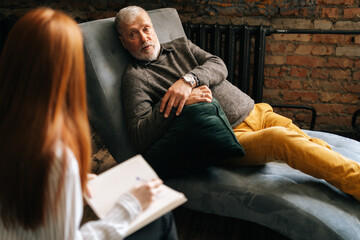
<point>201,136</point>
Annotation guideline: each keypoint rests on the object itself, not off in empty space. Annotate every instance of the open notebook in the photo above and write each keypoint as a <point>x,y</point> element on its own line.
<point>110,185</point>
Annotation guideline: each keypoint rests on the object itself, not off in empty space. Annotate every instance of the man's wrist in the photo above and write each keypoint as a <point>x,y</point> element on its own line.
<point>190,79</point>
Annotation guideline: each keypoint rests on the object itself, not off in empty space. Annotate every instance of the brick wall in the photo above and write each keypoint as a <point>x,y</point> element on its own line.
<point>318,70</point>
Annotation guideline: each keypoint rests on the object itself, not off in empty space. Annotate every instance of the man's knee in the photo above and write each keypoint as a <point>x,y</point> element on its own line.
<point>281,135</point>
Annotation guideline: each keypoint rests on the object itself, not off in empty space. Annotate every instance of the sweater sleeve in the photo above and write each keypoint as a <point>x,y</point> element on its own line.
<point>145,123</point>
<point>211,69</point>
<point>116,223</point>
<point>113,226</point>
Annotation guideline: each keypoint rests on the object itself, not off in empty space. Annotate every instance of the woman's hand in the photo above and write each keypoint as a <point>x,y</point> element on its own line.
<point>147,191</point>
<point>199,94</point>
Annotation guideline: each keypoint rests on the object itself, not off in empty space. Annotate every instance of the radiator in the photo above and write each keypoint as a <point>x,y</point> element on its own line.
<point>241,47</point>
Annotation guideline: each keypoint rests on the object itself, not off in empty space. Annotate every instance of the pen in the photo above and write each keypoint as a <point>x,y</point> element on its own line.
<point>140,179</point>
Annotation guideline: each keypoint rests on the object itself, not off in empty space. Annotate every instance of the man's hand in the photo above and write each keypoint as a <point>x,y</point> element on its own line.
<point>199,94</point>
<point>175,96</point>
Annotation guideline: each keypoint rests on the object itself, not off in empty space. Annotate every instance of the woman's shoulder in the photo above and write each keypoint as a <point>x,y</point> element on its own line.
<point>65,160</point>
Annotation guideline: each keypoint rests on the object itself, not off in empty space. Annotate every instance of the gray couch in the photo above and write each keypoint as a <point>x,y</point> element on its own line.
<point>274,195</point>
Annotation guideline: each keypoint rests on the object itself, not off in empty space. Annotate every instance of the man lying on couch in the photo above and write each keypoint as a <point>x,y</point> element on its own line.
<point>171,93</point>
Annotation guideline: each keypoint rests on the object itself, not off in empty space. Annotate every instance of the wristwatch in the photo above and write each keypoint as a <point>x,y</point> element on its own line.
<point>190,79</point>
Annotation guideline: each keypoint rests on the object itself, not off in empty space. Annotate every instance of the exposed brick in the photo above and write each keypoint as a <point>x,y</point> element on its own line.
<point>227,11</point>
<point>322,50</point>
<point>329,108</point>
<point>298,72</point>
<point>305,61</point>
<point>350,98</point>
<point>330,13</point>
<point>351,109</point>
<point>293,84</point>
<point>279,47</point>
<point>331,86</point>
<point>304,49</point>
<point>338,97</point>
<point>283,84</point>
<point>289,12</point>
<point>312,85</point>
<point>341,74</point>
<point>323,24</point>
<point>346,25</point>
<point>250,21</point>
<point>99,4</point>
<point>292,37</point>
<point>275,60</point>
<point>329,96</point>
<point>153,5</point>
<point>337,2</point>
<point>271,83</point>
<point>357,63</point>
<point>353,87</point>
<point>15,3</point>
<point>304,118</point>
<point>176,5</point>
<point>356,76</point>
<point>350,51</point>
<point>351,12</point>
<point>339,62</point>
<point>301,96</point>
<point>333,122</point>
<point>331,39</point>
<point>291,23</point>
<point>73,6</point>
<point>320,73</point>
<point>274,71</point>
<point>116,4</point>
<point>272,95</point>
<point>309,12</point>
<point>357,39</point>
<point>100,14</point>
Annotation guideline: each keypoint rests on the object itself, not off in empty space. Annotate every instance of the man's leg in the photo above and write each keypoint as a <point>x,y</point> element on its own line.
<point>263,142</point>
<point>263,117</point>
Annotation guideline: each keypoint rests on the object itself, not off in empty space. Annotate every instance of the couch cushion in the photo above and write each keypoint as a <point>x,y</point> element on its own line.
<point>199,137</point>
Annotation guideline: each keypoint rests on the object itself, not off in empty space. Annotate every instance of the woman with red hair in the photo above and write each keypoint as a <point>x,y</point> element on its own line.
<point>45,138</point>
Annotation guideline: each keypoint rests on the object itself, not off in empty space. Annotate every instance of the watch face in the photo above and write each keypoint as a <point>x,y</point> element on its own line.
<point>189,80</point>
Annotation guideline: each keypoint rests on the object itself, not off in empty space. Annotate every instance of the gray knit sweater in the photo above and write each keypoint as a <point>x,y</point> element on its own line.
<point>144,84</point>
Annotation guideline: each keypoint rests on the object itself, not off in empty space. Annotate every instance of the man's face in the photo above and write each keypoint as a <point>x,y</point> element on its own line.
<point>140,39</point>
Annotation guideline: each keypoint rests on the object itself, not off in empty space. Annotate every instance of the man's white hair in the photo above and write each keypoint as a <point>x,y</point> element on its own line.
<point>127,15</point>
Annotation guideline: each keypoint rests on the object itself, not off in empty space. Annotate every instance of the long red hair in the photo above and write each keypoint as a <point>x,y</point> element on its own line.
<point>42,102</point>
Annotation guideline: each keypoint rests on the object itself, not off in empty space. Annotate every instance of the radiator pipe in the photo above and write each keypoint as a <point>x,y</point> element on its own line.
<point>271,31</point>
<point>259,63</point>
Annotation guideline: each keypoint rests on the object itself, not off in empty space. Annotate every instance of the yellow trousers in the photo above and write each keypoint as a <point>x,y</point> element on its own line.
<point>267,136</point>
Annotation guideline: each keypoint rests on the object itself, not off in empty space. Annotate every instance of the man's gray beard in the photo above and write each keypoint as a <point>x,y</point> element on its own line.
<point>148,57</point>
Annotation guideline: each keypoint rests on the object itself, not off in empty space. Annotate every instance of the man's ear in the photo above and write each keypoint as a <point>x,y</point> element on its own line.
<point>122,41</point>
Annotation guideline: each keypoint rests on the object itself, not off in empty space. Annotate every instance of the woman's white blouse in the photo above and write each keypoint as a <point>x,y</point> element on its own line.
<point>66,224</point>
